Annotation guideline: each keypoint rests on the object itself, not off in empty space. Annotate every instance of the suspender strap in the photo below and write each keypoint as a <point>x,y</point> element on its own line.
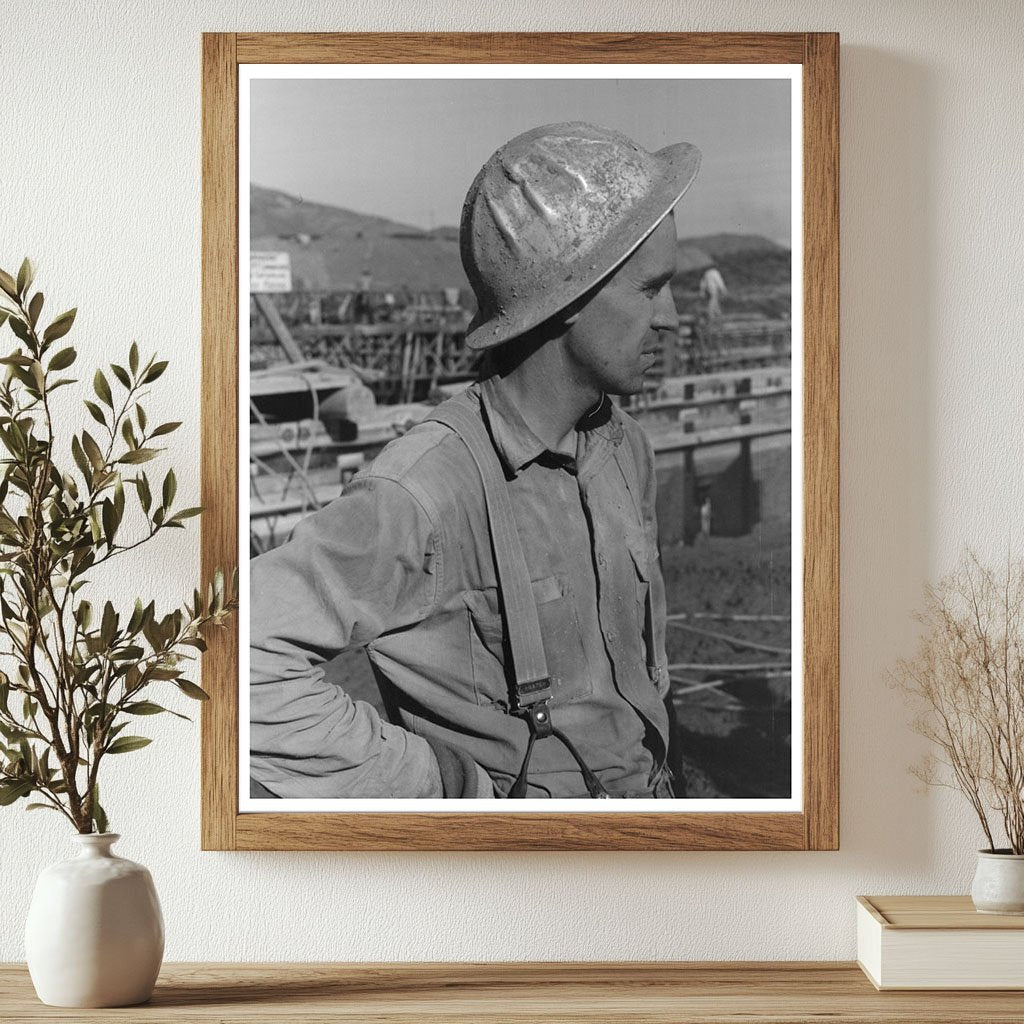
<point>531,685</point>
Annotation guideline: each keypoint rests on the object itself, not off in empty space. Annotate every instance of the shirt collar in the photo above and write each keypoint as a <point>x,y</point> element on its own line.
<point>518,446</point>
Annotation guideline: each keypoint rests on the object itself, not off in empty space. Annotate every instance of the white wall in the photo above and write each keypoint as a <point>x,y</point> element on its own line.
<point>100,182</point>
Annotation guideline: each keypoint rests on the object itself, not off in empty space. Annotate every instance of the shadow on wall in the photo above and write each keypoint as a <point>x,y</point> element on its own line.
<point>888,270</point>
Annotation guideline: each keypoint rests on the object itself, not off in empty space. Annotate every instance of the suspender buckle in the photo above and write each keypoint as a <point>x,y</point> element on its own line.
<point>538,717</point>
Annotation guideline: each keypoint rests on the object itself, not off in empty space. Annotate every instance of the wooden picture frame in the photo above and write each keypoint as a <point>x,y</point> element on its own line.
<point>816,826</point>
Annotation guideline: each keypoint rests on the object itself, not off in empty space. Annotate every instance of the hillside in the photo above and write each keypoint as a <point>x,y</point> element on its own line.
<point>331,247</point>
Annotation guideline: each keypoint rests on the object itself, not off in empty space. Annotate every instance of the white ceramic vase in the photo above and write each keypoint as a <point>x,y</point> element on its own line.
<point>999,883</point>
<point>95,933</point>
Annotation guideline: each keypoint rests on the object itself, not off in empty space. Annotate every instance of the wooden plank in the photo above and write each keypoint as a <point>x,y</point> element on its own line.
<point>523,993</point>
<point>821,440</point>
<point>705,438</point>
<point>219,429</point>
<point>520,47</point>
<point>492,831</point>
<point>265,304</point>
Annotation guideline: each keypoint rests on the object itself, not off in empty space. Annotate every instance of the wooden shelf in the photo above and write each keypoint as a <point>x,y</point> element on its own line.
<point>661,993</point>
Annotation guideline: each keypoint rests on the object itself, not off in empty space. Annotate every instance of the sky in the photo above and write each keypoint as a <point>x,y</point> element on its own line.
<point>409,149</point>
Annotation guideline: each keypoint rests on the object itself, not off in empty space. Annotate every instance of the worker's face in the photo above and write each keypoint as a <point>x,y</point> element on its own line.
<point>617,337</point>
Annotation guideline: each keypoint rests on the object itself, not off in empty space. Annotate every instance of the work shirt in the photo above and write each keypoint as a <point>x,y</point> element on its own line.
<point>402,564</point>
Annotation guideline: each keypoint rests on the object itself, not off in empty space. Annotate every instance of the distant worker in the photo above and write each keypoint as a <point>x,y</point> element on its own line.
<point>499,561</point>
<point>705,516</point>
<point>712,288</point>
<point>362,308</point>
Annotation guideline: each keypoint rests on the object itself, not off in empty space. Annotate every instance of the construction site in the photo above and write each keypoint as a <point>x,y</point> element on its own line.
<point>352,344</point>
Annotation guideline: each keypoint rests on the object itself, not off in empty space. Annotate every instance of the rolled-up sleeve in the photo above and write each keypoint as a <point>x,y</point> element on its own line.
<point>362,565</point>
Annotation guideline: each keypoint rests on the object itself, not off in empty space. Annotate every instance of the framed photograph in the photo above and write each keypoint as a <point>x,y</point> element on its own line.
<point>521,420</point>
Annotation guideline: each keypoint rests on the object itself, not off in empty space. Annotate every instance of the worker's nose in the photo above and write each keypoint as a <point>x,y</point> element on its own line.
<point>665,318</point>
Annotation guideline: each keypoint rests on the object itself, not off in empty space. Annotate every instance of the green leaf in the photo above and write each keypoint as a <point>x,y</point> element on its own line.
<point>34,308</point>
<point>133,358</point>
<point>4,314</point>
<point>155,371</point>
<point>140,415</point>
<point>166,428</point>
<point>170,487</point>
<point>63,359</point>
<point>95,412</point>
<point>99,816</point>
<point>92,449</point>
<point>38,377</point>
<point>84,615</point>
<point>164,673</point>
<point>80,458</point>
<point>128,433</point>
<point>139,455</point>
<point>135,622</point>
<point>109,521</point>
<point>130,653</point>
<point>145,497</point>
<point>108,627</point>
<point>191,690</point>
<point>125,744</point>
<point>60,326</point>
<point>8,284</point>
<point>102,388</point>
<point>17,359</point>
<point>119,499</point>
<point>42,807</point>
<point>147,707</point>
<point>185,513</point>
<point>20,328</point>
<point>121,374</point>
<point>26,274</point>
<point>11,791</point>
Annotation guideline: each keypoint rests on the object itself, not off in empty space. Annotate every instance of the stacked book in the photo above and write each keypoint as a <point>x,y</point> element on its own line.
<point>938,942</point>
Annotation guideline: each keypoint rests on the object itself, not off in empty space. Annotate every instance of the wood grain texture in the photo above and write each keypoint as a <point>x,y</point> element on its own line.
<point>219,429</point>
<point>821,441</point>
<point>818,826</point>
<point>614,993</point>
<point>520,48</point>
<point>587,831</point>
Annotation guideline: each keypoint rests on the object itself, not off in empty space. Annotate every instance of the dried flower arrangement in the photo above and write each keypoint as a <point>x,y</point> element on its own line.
<point>967,682</point>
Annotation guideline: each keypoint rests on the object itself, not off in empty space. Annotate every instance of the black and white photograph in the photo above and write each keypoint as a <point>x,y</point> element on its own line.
<point>523,436</point>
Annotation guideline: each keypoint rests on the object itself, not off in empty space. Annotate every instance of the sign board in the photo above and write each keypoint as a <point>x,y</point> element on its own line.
<point>270,272</point>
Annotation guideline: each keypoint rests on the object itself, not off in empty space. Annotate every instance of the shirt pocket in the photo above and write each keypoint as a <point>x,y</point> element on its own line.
<point>560,632</point>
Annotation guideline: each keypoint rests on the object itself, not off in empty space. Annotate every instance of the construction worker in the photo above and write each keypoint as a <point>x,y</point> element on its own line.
<point>568,240</point>
<point>713,289</point>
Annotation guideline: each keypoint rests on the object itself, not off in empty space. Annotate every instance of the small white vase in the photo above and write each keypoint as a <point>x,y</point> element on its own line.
<point>95,933</point>
<point>999,883</point>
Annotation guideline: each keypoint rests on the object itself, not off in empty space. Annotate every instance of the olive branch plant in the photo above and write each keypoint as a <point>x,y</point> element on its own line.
<point>80,674</point>
<point>966,681</point>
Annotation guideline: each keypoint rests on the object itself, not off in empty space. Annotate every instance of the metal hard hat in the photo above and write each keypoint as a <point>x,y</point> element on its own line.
<point>553,212</point>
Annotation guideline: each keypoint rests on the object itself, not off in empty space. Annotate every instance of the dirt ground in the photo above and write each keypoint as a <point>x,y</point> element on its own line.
<point>733,731</point>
